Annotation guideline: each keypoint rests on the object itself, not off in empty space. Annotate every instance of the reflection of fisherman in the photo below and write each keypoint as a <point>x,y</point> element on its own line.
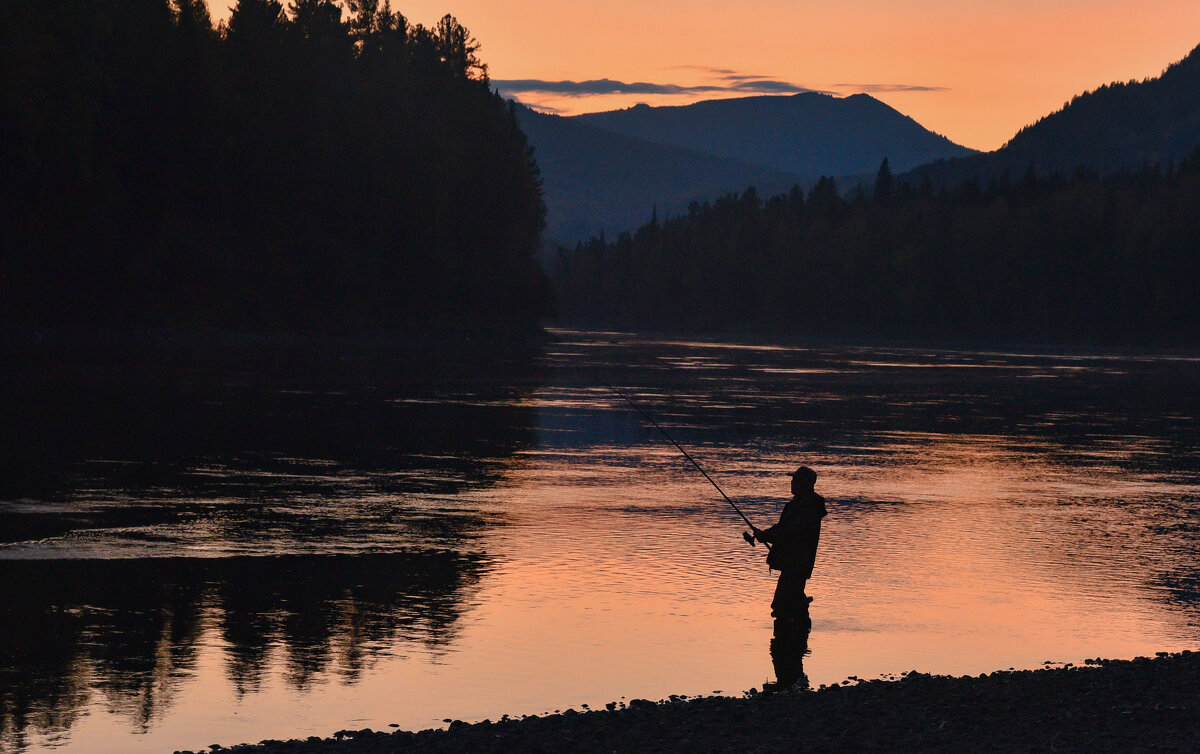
<point>789,645</point>
<point>794,546</point>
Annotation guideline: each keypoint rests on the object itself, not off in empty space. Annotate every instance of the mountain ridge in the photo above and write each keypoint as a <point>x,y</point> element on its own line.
<point>609,171</point>
<point>600,181</point>
<point>810,133</point>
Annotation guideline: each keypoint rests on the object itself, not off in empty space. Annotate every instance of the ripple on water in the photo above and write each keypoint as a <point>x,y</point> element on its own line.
<point>475,547</point>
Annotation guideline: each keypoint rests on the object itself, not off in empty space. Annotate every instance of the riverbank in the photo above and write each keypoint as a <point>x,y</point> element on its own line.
<point>1108,705</point>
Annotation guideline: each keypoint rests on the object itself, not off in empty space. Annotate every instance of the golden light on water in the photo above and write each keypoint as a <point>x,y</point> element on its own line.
<point>986,511</point>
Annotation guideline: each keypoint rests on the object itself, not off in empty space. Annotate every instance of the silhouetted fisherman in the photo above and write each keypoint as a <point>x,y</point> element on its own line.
<point>794,546</point>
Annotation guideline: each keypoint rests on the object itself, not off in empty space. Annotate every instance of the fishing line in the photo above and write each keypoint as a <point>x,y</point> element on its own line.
<point>745,535</point>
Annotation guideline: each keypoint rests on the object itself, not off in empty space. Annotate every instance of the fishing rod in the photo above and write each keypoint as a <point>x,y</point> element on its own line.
<point>745,535</point>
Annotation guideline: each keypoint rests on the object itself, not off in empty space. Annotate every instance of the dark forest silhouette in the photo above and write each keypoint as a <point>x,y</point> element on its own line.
<point>595,178</point>
<point>1019,244</point>
<point>606,170</point>
<point>310,168</point>
<point>292,168</point>
<point>1032,259</point>
<point>130,631</point>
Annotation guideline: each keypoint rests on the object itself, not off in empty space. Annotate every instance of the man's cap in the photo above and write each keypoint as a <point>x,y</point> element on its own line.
<point>804,473</point>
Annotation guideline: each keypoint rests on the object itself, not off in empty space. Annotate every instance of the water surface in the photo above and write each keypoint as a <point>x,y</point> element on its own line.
<point>239,547</point>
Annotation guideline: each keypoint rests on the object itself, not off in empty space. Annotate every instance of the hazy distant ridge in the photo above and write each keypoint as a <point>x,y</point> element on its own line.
<point>810,133</point>
<point>596,180</point>
<point>608,171</point>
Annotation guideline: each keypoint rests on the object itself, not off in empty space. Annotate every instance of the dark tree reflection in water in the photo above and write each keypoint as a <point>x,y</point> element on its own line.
<point>238,541</point>
<point>277,496</point>
<point>128,629</point>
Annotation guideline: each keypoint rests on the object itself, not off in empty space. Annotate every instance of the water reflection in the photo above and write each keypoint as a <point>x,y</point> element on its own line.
<point>503,535</point>
<point>226,449</point>
<point>1108,444</point>
<point>140,477</point>
<point>257,420</point>
<point>128,631</point>
<point>789,646</point>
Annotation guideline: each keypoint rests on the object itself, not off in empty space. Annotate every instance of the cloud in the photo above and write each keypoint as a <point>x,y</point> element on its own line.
<point>547,109</point>
<point>704,68</point>
<point>767,86</point>
<point>728,82</point>
<point>531,104</point>
<point>716,81</point>
<point>875,88</point>
<point>584,88</point>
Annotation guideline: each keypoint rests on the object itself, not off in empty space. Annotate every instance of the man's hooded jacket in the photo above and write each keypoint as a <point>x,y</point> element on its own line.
<point>794,539</point>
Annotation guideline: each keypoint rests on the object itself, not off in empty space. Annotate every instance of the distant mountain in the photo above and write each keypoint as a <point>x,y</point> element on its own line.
<point>598,180</point>
<point>607,171</point>
<point>811,134</point>
<point>1120,125</point>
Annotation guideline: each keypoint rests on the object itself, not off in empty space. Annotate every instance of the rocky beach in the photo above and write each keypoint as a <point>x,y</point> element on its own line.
<point>1144,704</point>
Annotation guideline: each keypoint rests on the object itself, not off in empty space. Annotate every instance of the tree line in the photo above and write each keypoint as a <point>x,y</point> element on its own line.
<point>309,167</point>
<point>1036,258</point>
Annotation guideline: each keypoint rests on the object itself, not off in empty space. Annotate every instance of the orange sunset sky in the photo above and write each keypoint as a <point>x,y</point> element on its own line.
<point>973,70</point>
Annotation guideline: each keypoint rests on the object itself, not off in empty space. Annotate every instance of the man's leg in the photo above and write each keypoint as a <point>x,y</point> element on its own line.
<point>790,600</point>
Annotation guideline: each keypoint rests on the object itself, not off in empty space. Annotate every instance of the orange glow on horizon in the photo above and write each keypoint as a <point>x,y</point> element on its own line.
<point>995,67</point>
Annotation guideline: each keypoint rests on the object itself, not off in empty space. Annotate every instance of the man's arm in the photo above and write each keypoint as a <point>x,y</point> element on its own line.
<point>772,535</point>
<point>779,530</point>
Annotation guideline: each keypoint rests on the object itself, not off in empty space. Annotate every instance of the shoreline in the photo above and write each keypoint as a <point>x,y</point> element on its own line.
<point>1105,705</point>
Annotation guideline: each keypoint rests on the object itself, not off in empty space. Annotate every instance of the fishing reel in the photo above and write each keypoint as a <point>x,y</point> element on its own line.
<point>748,537</point>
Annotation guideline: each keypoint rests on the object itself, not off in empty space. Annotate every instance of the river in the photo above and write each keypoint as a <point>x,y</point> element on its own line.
<point>252,548</point>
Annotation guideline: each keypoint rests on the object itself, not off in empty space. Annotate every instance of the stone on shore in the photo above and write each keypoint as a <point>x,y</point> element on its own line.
<point>1105,706</point>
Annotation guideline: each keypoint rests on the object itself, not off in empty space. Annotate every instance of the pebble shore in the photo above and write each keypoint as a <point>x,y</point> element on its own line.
<point>1145,704</point>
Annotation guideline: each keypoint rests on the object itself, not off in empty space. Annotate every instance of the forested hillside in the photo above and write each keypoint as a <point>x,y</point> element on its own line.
<point>293,168</point>
<point>1083,259</point>
<point>597,180</point>
<point>1124,125</point>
